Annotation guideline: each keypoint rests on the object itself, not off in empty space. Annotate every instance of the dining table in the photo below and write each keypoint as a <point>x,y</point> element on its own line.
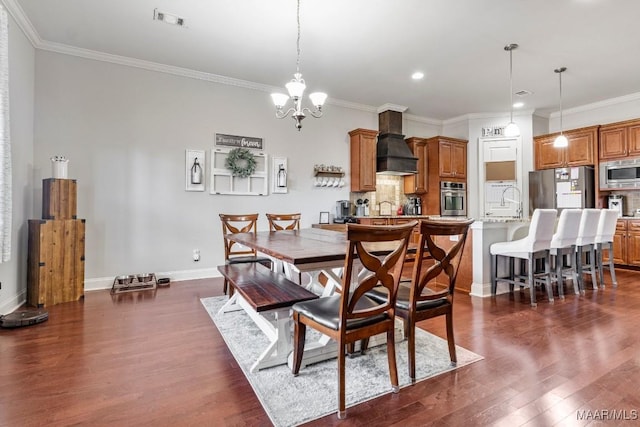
<point>314,251</point>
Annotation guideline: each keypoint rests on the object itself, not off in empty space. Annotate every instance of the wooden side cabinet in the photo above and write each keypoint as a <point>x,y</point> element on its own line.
<point>418,183</point>
<point>619,140</point>
<point>580,151</point>
<point>55,262</point>
<point>363,160</point>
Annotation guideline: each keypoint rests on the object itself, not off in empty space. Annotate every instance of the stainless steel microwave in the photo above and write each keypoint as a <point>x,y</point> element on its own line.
<point>620,174</point>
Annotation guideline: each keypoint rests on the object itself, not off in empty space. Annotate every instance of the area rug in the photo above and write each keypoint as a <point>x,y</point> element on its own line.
<point>315,389</point>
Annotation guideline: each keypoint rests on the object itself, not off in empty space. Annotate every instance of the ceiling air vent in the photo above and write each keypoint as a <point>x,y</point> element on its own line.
<point>168,18</point>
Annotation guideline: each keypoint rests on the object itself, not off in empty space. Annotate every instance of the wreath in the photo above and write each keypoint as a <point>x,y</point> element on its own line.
<point>241,162</point>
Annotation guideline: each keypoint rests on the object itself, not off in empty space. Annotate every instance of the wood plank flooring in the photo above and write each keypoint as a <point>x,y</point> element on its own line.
<point>148,358</point>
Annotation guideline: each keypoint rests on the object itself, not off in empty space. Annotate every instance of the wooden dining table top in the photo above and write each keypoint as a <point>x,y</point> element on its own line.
<point>305,246</point>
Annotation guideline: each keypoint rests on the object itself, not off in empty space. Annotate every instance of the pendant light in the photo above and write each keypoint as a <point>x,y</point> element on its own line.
<point>512,129</point>
<point>561,141</point>
<point>296,89</point>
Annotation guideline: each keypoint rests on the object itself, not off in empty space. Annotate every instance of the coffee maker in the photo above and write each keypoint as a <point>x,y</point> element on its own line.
<point>616,203</point>
<point>343,212</point>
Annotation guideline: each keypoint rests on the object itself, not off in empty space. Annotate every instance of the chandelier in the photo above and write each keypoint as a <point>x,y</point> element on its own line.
<point>296,89</point>
<point>512,129</point>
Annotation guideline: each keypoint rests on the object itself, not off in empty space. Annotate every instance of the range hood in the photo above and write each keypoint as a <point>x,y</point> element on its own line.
<point>393,155</point>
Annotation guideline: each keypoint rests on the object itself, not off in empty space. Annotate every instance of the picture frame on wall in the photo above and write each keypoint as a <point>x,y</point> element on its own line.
<point>279,175</point>
<point>195,170</point>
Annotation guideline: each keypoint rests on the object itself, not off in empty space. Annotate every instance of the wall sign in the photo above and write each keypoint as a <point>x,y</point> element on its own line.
<point>235,141</point>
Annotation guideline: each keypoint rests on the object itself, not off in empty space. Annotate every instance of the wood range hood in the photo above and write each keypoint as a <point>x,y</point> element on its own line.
<point>393,155</point>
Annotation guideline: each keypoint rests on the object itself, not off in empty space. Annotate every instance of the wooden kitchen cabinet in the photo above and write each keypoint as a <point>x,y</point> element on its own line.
<point>619,140</point>
<point>418,183</point>
<point>626,243</point>
<point>580,151</point>
<point>451,155</point>
<point>363,160</point>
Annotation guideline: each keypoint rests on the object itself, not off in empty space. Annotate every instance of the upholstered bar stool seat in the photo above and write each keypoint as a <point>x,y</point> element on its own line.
<point>604,240</point>
<point>535,246</point>
<point>563,248</point>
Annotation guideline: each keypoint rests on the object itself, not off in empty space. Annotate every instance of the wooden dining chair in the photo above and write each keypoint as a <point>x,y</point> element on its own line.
<point>279,222</point>
<point>351,316</point>
<point>235,253</point>
<point>433,281</point>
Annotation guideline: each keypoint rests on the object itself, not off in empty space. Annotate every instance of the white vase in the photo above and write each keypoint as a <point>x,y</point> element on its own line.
<point>59,167</point>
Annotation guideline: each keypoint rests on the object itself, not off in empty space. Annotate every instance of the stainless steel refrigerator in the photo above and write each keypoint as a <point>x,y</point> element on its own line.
<point>562,188</point>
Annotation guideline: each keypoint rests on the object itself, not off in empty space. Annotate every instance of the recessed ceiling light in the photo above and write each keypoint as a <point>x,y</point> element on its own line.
<point>168,18</point>
<point>518,104</point>
<point>417,75</point>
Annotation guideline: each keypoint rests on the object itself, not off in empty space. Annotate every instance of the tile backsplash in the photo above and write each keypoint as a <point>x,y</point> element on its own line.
<point>630,201</point>
<point>389,188</point>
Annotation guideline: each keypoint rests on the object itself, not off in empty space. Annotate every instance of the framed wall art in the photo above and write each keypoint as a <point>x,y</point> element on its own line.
<point>279,172</point>
<point>194,168</point>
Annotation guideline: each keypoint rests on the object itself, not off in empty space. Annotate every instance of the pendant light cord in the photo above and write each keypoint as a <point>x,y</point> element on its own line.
<point>511,84</point>
<point>298,40</point>
<point>560,76</point>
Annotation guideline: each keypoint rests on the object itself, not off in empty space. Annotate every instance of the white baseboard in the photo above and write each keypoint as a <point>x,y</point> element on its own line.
<point>14,303</point>
<point>100,283</point>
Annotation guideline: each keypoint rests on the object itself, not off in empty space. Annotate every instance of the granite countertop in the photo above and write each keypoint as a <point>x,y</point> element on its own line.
<point>503,219</point>
<point>396,216</point>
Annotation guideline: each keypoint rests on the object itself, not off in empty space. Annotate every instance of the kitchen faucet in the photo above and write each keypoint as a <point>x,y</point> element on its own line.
<point>518,202</point>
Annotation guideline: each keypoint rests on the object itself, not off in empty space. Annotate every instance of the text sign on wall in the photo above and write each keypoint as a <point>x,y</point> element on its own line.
<point>239,141</point>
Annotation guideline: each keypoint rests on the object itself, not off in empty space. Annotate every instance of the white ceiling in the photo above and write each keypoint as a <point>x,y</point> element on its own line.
<point>364,51</point>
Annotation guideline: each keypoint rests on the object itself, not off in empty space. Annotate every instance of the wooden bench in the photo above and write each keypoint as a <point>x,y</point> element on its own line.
<point>266,296</point>
<point>263,289</point>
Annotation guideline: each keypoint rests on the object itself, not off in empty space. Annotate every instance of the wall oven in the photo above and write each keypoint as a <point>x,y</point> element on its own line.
<point>453,197</point>
<point>620,174</point>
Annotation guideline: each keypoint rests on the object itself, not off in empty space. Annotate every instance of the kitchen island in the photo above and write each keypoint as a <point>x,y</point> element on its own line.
<point>486,231</point>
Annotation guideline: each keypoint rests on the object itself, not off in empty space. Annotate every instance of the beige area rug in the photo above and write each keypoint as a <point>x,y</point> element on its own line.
<point>315,390</point>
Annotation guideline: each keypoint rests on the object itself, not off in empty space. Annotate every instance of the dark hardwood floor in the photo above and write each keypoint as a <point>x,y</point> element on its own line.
<point>157,359</point>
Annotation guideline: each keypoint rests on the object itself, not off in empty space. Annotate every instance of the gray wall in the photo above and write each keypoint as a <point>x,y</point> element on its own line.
<point>21,95</point>
<point>125,131</point>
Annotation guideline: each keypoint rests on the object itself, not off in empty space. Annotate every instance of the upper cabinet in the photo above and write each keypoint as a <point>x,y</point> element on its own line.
<point>363,160</point>
<point>451,154</point>
<point>618,140</point>
<point>580,151</point>
<point>417,183</point>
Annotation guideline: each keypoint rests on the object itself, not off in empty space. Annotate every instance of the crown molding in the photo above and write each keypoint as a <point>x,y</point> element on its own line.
<point>425,120</point>
<point>18,15</point>
<point>392,107</point>
<point>596,105</point>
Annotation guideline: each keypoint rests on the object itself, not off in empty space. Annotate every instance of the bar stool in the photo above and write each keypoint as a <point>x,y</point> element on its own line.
<point>604,240</point>
<point>535,246</point>
<point>563,248</point>
<point>585,247</point>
